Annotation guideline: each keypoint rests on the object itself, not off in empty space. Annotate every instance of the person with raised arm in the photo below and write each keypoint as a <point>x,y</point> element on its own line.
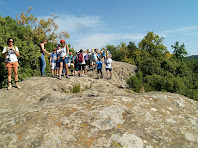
<point>43,52</point>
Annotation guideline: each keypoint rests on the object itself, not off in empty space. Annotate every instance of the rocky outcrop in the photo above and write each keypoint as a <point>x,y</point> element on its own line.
<point>45,113</point>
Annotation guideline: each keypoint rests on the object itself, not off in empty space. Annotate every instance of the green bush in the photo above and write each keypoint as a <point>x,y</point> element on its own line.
<point>76,88</point>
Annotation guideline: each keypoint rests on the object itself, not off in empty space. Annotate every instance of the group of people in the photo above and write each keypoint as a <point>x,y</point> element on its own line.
<point>61,64</point>
<point>61,61</point>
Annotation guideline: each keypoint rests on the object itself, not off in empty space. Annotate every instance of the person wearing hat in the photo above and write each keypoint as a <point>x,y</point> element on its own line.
<point>64,52</point>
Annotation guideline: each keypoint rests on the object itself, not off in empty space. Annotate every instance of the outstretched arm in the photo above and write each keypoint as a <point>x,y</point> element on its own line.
<point>43,49</point>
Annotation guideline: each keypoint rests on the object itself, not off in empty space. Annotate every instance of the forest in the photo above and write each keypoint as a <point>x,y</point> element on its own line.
<point>158,69</point>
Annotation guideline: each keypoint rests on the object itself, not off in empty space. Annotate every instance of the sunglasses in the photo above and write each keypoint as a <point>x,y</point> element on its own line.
<point>11,41</point>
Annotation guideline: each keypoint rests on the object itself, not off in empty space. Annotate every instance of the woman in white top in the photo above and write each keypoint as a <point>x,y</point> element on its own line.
<point>11,52</point>
<point>64,52</point>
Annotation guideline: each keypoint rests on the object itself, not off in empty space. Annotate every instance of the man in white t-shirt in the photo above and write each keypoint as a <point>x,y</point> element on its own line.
<point>109,66</point>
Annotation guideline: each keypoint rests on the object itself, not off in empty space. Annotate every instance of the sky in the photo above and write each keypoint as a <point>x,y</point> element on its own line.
<point>97,23</point>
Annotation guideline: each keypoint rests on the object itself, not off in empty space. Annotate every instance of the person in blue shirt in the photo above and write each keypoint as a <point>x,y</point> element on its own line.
<point>53,58</point>
<point>99,68</point>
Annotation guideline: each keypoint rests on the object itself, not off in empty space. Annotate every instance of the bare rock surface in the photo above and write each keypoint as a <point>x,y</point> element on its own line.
<point>46,114</point>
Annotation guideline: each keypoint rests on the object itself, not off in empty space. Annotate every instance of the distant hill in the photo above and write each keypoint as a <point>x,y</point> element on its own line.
<point>193,57</point>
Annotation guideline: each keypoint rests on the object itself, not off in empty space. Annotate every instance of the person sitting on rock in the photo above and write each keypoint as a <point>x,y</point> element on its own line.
<point>99,68</point>
<point>109,66</point>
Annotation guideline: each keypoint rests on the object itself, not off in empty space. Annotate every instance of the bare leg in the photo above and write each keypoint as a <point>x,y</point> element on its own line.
<point>60,70</point>
<point>15,69</point>
<point>110,74</point>
<point>52,72</point>
<point>107,73</point>
<point>66,67</point>
<point>9,74</point>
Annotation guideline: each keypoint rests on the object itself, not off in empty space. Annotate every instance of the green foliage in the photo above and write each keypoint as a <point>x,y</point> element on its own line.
<point>29,52</point>
<point>135,82</point>
<point>158,69</point>
<point>193,57</point>
<point>179,51</point>
<point>153,44</point>
<point>76,88</point>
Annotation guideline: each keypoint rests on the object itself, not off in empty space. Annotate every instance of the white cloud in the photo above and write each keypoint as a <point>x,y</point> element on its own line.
<point>100,40</point>
<point>88,32</point>
<point>74,24</point>
<point>182,29</point>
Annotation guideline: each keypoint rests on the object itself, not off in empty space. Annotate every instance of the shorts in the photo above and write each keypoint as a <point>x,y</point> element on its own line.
<point>76,67</point>
<point>110,69</point>
<point>66,60</point>
<point>99,71</point>
<point>53,66</point>
<point>12,64</point>
<point>81,66</point>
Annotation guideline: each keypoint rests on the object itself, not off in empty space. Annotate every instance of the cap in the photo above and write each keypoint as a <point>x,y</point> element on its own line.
<point>62,40</point>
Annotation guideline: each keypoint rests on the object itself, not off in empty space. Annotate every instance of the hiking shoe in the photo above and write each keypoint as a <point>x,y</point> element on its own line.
<point>9,86</point>
<point>17,85</point>
<point>67,77</point>
<point>43,75</point>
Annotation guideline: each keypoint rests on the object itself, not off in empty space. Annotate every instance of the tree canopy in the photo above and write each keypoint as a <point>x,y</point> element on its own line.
<point>28,31</point>
<point>158,69</point>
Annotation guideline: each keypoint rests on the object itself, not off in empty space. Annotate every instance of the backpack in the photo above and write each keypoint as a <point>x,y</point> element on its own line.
<point>80,57</point>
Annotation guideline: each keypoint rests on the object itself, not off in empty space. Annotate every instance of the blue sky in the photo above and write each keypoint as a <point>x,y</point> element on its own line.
<point>96,23</point>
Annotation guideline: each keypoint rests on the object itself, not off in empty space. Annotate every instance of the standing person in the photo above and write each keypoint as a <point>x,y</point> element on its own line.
<point>99,68</point>
<point>11,52</point>
<point>86,58</point>
<point>109,66</point>
<point>71,61</point>
<point>43,52</point>
<point>81,63</point>
<point>103,55</point>
<point>53,59</point>
<point>75,64</point>
<point>94,56</point>
<point>107,52</point>
<point>64,58</point>
<point>89,59</point>
<point>58,60</point>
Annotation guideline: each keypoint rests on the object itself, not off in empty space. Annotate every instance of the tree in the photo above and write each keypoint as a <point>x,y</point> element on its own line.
<point>179,51</point>
<point>28,31</point>
<point>40,29</point>
<point>153,44</point>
